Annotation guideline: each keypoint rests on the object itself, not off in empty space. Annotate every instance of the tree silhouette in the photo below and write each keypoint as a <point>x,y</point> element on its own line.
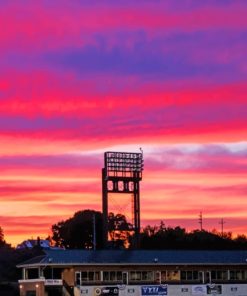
<point>2,241</point>
<point>77,232</point>
<point>161,237</point>
<point>120,230</point>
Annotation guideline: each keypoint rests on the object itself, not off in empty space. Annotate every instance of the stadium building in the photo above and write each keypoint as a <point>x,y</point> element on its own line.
<point>135,273</point>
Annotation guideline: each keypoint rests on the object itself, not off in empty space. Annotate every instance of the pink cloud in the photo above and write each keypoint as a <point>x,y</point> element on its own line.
<point>36,26</point>
<point>92,113</point>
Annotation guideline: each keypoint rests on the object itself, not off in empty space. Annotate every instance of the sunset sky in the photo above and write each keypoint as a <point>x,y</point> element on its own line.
<point>81,77</point>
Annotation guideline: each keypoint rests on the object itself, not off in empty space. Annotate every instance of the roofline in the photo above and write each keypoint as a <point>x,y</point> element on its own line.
<point>129,264</point>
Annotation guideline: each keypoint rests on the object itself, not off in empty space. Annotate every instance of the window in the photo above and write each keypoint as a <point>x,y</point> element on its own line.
<point>189,275</point>
<point>86,276</point>
<point>90,276</point>
<point>183,275</point>
<point>32,273</point>
<point>141,276</point>
<point>78,278</point>
<point>147,275</point>
<point>106,276</point>
<point>57,273</point>
<point>219,275</point>
<point>144,275</point>
<point>163,276</point>
<point>119,276</point>
<point>97,276</point>
<point>135,275</point>
<point>173,275</point>
<point>112,276</point>
<point>195,275</point>
<point>52,273</point>
<point>238,275</point>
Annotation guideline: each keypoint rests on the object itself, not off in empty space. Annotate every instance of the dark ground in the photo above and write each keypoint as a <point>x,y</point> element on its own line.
<point>9,289</point>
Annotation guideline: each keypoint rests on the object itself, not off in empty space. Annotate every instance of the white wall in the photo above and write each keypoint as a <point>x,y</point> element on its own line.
<point>173,290</point>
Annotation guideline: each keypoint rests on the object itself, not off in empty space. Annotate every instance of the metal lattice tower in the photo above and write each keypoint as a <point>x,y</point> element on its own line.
<point>122,173</point>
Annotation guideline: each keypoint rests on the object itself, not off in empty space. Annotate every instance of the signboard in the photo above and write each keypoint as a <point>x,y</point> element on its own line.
<point>214,289</point>
<point>199,290</point>
<point>210,289</point>
<point>154,290</point>
<point>106,291</point>
<point>53,282</point>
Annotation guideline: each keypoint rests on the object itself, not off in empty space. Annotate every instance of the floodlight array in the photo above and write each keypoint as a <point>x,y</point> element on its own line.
<point>123,162</point>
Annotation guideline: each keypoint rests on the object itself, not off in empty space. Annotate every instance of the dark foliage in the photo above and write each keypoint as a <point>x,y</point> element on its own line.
<point>77,232</point>
<point>9,258</point>
<point>119,230</point>
<point>161,237</point>
<point>9,289</point>
<point>2,241</point>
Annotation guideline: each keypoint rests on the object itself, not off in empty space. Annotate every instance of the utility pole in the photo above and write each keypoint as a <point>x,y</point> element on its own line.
<point>94,232</point>
<point>222,222</point>
<point>200,220</point>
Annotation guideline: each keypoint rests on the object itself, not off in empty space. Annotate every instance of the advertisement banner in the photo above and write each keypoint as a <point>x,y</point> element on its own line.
<point>106,291</point>
<point>154,290</point>
<point>199,290</point>
<point>213,289</point>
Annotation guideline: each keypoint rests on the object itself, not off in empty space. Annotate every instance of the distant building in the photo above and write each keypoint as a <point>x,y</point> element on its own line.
<point>135,273</point>
<point>31,243</point>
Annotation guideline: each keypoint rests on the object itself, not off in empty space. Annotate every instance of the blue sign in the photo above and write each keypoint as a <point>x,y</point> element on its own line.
<point>154,290</point>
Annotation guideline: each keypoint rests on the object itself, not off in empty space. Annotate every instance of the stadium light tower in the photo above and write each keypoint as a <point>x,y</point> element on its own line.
<point>122,173</point>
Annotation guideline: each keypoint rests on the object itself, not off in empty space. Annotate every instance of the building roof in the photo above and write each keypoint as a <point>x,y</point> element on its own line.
<point>30,243</point>
<point>135,257</point>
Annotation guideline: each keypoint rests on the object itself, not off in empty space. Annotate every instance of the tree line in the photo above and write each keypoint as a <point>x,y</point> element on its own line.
<point>77,232</point>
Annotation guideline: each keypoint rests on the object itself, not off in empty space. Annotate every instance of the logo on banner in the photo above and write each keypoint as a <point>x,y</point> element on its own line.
<point>214,289</point>
<point>121,287</point>
<point>199,290</point>
<point>106,291</point>
<point>154,290</point>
